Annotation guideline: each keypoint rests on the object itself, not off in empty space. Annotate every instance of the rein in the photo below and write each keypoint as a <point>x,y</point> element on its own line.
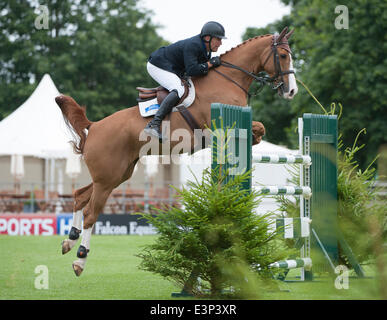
<point>262,79</point>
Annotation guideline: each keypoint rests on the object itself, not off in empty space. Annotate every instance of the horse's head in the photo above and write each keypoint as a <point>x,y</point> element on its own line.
<point>278,64</point>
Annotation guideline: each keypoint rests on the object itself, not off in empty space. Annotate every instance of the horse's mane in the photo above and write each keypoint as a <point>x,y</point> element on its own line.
<point>244,43</point>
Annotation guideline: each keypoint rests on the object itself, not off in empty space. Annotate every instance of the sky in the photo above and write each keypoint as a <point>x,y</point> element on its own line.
<point>183,19</point>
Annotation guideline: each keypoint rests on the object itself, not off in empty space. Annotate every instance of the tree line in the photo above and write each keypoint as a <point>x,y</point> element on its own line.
<point>96,51</point>
<point>338,65</point>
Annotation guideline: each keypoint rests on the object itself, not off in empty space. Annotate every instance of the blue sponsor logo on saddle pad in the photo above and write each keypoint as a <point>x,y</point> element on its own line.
<point>152,107</point>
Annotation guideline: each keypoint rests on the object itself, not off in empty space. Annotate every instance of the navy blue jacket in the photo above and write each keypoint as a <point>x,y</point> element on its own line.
<point>185,57</point>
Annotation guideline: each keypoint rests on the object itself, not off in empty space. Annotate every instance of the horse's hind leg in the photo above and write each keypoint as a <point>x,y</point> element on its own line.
<point>75,231</point>
<point>93,208</point>
<point>82,197</point>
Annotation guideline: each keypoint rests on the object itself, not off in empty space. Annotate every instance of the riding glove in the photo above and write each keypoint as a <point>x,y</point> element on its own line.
<point>215,61</point>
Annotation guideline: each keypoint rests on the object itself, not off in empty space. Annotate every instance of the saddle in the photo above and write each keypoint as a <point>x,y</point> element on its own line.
<point>146,94</point>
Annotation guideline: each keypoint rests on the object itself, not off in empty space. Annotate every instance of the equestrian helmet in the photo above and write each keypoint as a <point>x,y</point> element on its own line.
<point>213,29</point>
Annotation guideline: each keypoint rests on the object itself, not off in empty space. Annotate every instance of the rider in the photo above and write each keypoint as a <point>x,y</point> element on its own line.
<point>189,57</point>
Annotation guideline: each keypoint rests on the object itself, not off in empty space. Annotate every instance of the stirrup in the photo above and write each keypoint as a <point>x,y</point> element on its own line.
<point>154,131</point>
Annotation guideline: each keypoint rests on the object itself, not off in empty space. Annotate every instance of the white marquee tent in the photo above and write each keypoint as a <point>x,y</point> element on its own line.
<point>37,130</point>
<point>37,127</point>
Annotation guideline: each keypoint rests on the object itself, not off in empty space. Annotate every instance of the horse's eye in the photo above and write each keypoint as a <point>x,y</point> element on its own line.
<point>283,55</point>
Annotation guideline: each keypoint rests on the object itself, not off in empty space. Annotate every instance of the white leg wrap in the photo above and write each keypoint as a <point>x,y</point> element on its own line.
<point>80,262</point>
<point>77,219</point>
<point>71,243</point>
<point>86,235</point>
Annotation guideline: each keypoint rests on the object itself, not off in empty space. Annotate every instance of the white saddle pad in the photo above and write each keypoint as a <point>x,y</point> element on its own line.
<point>150,107</point>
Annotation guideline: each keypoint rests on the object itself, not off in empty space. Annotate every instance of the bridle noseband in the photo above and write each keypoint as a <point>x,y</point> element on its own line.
<point>261,78</point>
<point>279,74</point>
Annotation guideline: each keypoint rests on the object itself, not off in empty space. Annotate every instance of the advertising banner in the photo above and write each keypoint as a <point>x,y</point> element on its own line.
<point>28,224</point>
<point>122,224</point>
<point>63,223</point>
<point>109,224</point>
<point>50,224</point>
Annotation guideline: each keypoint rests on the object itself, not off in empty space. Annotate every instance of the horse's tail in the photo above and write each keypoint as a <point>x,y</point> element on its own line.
<point>75,118</point>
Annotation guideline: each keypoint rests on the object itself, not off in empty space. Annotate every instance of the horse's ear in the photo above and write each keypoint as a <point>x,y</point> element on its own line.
<point>282,34</point>
<point>288,35</point>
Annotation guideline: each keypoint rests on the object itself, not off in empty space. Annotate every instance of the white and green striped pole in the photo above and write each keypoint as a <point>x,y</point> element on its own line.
<point>306,192</point>
<point>282,159</point>
<point>291,228</point>
<point>305,263</point>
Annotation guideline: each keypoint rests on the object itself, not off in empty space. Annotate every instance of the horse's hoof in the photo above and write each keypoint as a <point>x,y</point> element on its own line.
<point>66,246</point>
<point>77,269</point>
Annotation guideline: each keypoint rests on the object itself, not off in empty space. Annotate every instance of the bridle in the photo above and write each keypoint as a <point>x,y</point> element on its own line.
<point>279,74</point>
<point>276,81</point>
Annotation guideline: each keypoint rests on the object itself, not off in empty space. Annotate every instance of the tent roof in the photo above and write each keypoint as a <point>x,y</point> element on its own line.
<point>37,127</point>
<point>267,147</point>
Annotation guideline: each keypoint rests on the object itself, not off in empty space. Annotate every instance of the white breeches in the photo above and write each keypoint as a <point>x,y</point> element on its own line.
<point>167,79</point>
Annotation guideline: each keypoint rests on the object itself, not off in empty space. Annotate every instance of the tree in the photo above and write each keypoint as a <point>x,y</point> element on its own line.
<point>95,51</point>
<point>216,236</point>
<point>338,65</point>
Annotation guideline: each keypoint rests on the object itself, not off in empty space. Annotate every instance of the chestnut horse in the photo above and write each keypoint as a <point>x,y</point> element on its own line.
<point>112,145</point>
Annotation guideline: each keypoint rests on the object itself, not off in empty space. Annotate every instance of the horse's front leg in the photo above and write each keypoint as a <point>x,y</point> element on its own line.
<point>258,132</point>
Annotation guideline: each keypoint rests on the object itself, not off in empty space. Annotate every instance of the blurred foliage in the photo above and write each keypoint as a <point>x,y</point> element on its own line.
<point>346,65</point>
<point>358,204</point>
<point>95,51</point>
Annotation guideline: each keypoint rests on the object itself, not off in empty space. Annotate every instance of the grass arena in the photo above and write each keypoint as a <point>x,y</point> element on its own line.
<point>113,274</point>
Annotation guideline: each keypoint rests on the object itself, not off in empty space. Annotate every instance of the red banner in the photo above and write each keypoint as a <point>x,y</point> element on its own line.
<point>28,224</point>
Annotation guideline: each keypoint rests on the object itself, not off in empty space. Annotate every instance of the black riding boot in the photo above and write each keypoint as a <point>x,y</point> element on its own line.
<point>153,127</point>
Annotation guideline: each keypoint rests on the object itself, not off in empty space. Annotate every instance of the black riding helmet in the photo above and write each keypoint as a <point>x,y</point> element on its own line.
<point>213,29</point>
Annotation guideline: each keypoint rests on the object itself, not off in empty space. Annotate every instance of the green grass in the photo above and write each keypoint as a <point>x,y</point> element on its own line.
<point>111,269</point>
<point>112,273</point>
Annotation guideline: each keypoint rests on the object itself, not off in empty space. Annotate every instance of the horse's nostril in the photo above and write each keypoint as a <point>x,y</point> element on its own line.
<point>291,93</point>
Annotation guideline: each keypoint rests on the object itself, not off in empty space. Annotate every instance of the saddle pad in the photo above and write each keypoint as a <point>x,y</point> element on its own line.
<point>150,107</point>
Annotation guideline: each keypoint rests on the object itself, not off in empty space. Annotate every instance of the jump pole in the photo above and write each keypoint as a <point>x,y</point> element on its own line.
<point>318,173</point>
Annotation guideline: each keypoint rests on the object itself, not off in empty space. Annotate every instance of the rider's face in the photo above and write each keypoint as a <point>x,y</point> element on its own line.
<point>215,44</point>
